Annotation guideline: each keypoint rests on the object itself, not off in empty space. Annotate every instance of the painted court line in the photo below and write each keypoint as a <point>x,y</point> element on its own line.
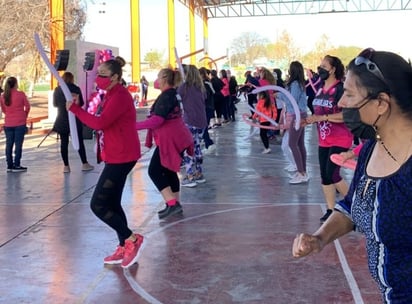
<point>342,258</point>
<point>354,288</point>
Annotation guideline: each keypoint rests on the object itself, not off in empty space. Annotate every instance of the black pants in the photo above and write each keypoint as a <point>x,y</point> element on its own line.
<point>107,198</point>
<point>264,134</point>
<point>64,145</point>
<point>329,171</point>
<point>161,176</point>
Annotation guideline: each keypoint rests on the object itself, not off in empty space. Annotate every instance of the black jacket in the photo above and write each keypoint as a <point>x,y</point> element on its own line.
<point>61,124</point>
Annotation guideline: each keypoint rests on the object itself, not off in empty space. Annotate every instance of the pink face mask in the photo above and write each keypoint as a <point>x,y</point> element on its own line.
<point>103,82</point>
<point>156,84</point>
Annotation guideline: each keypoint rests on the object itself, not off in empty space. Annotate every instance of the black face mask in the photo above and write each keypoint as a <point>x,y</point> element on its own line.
<point>323,73</point>
<point>352,120</point>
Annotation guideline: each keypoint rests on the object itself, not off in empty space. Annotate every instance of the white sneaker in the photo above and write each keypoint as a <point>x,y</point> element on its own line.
<point>190,183</point>
<point>305,177</point>
<point>210,149</point>
<point>298,179</point>
<point>266,151</point>
<point>291,168</point>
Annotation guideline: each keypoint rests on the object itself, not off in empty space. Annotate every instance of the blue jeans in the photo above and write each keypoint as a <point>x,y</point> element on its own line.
<point>14,137</point>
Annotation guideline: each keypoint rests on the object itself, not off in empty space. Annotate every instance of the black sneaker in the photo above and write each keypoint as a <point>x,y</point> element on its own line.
<point>18,169</point>
<point>326,216</point>
<point>170,210</point>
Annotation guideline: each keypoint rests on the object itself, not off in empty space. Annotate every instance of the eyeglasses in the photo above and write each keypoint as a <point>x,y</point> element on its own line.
<point>364,58</point>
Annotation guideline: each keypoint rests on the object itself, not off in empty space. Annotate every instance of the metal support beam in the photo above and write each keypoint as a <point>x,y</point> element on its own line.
<point>256,8</point>
<point>192,36</point>
<point>56,32</point>
<point>171,30</point>
<point>135,36</point>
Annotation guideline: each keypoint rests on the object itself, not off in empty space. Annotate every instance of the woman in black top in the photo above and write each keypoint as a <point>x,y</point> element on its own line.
<point>61,125</point>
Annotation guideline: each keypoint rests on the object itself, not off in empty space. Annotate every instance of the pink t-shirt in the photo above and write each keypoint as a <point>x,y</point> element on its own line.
<point>225,90</point>
<point>16,113</point>
<point>331,134</point>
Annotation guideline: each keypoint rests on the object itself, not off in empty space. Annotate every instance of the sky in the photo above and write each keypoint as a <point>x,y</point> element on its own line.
<point>386,31</point>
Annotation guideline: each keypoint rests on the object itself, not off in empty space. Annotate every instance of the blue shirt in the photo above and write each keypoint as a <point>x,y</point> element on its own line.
<point>381,208</point>
<point>299,94</point>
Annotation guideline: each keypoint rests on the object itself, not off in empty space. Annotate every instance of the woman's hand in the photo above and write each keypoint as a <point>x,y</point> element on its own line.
<point>311,119</point>
<point>305,244</point>
<point>68,105</point>
<point>347,155</point>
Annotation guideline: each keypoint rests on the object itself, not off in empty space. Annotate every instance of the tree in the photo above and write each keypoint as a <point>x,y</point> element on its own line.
<point>283,51</point>
<point>321,48</point>
<point>246,48</point>
<point>21,18</point>
<point>155,59</point>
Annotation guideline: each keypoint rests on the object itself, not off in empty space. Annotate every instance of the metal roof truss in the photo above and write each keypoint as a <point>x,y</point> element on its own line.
<point>256,8</point>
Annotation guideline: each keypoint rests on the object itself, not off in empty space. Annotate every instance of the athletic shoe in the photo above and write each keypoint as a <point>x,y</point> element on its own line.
<point>87,167</point>
<point>66,169</point>
<point>298,179</point>
<point>188,182</point>
<point>170,210</point>
<point>18,169</point>
<point>291,168</point>
<point>326,215</point>
<point>116,257</point>
<point>266,151</point>
<point>132,251</point>
<point>199,178</point>
<point>210,149</point>
<point>10,169</point>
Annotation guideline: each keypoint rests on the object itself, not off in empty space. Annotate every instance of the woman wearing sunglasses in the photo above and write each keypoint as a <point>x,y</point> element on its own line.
<point>377,106</point>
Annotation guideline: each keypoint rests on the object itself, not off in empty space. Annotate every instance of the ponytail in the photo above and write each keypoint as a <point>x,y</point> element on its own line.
<point>11,83</point>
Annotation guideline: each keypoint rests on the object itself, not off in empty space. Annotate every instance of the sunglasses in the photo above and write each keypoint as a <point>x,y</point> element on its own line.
<point>364,58</point>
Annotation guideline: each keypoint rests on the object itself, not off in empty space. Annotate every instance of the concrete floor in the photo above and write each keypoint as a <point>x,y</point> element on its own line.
<point>231,245</point>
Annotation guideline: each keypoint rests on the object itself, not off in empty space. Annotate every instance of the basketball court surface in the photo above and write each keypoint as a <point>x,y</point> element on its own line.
<point>231,245</point>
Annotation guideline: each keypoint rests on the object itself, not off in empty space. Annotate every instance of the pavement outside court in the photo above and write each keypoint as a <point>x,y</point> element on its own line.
<point>231,245</point>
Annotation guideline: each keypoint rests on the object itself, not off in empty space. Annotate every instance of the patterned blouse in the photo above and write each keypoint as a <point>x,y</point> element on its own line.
<point>381,208</point>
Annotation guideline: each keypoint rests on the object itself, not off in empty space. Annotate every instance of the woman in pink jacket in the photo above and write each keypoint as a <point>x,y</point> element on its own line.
<point>119,147</point>
<point>16,108</point>
<point>172,138</point>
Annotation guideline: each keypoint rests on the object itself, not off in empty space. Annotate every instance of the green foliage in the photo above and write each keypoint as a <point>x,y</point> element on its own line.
<point>154,59</point>
<point>42,87</point>
<point>248,47</point>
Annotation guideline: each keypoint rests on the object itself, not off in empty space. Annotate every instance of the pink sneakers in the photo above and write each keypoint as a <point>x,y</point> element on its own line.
<point>132,251</point>
<point>116,257</point>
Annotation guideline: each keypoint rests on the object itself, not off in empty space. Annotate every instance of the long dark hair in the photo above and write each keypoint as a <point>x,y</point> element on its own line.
<point>338,65</point>
<point>396,82</point>
<point>296,73</point>
<point>11,83</point>
<point>265,95</point>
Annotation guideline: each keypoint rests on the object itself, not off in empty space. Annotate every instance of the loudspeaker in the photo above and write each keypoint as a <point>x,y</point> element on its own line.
<point>89,61</point>
<point>62,59</point>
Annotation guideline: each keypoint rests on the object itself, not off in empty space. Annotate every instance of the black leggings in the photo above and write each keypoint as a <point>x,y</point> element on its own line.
<point>329,171</point>
<point>264,134</point>
<point>107,197</point>
<point>64,146</point>
<point>161,176</point>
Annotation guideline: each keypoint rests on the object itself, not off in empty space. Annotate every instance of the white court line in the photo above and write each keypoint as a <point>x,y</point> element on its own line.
<point>354,288</point>
<point>345,266</point>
